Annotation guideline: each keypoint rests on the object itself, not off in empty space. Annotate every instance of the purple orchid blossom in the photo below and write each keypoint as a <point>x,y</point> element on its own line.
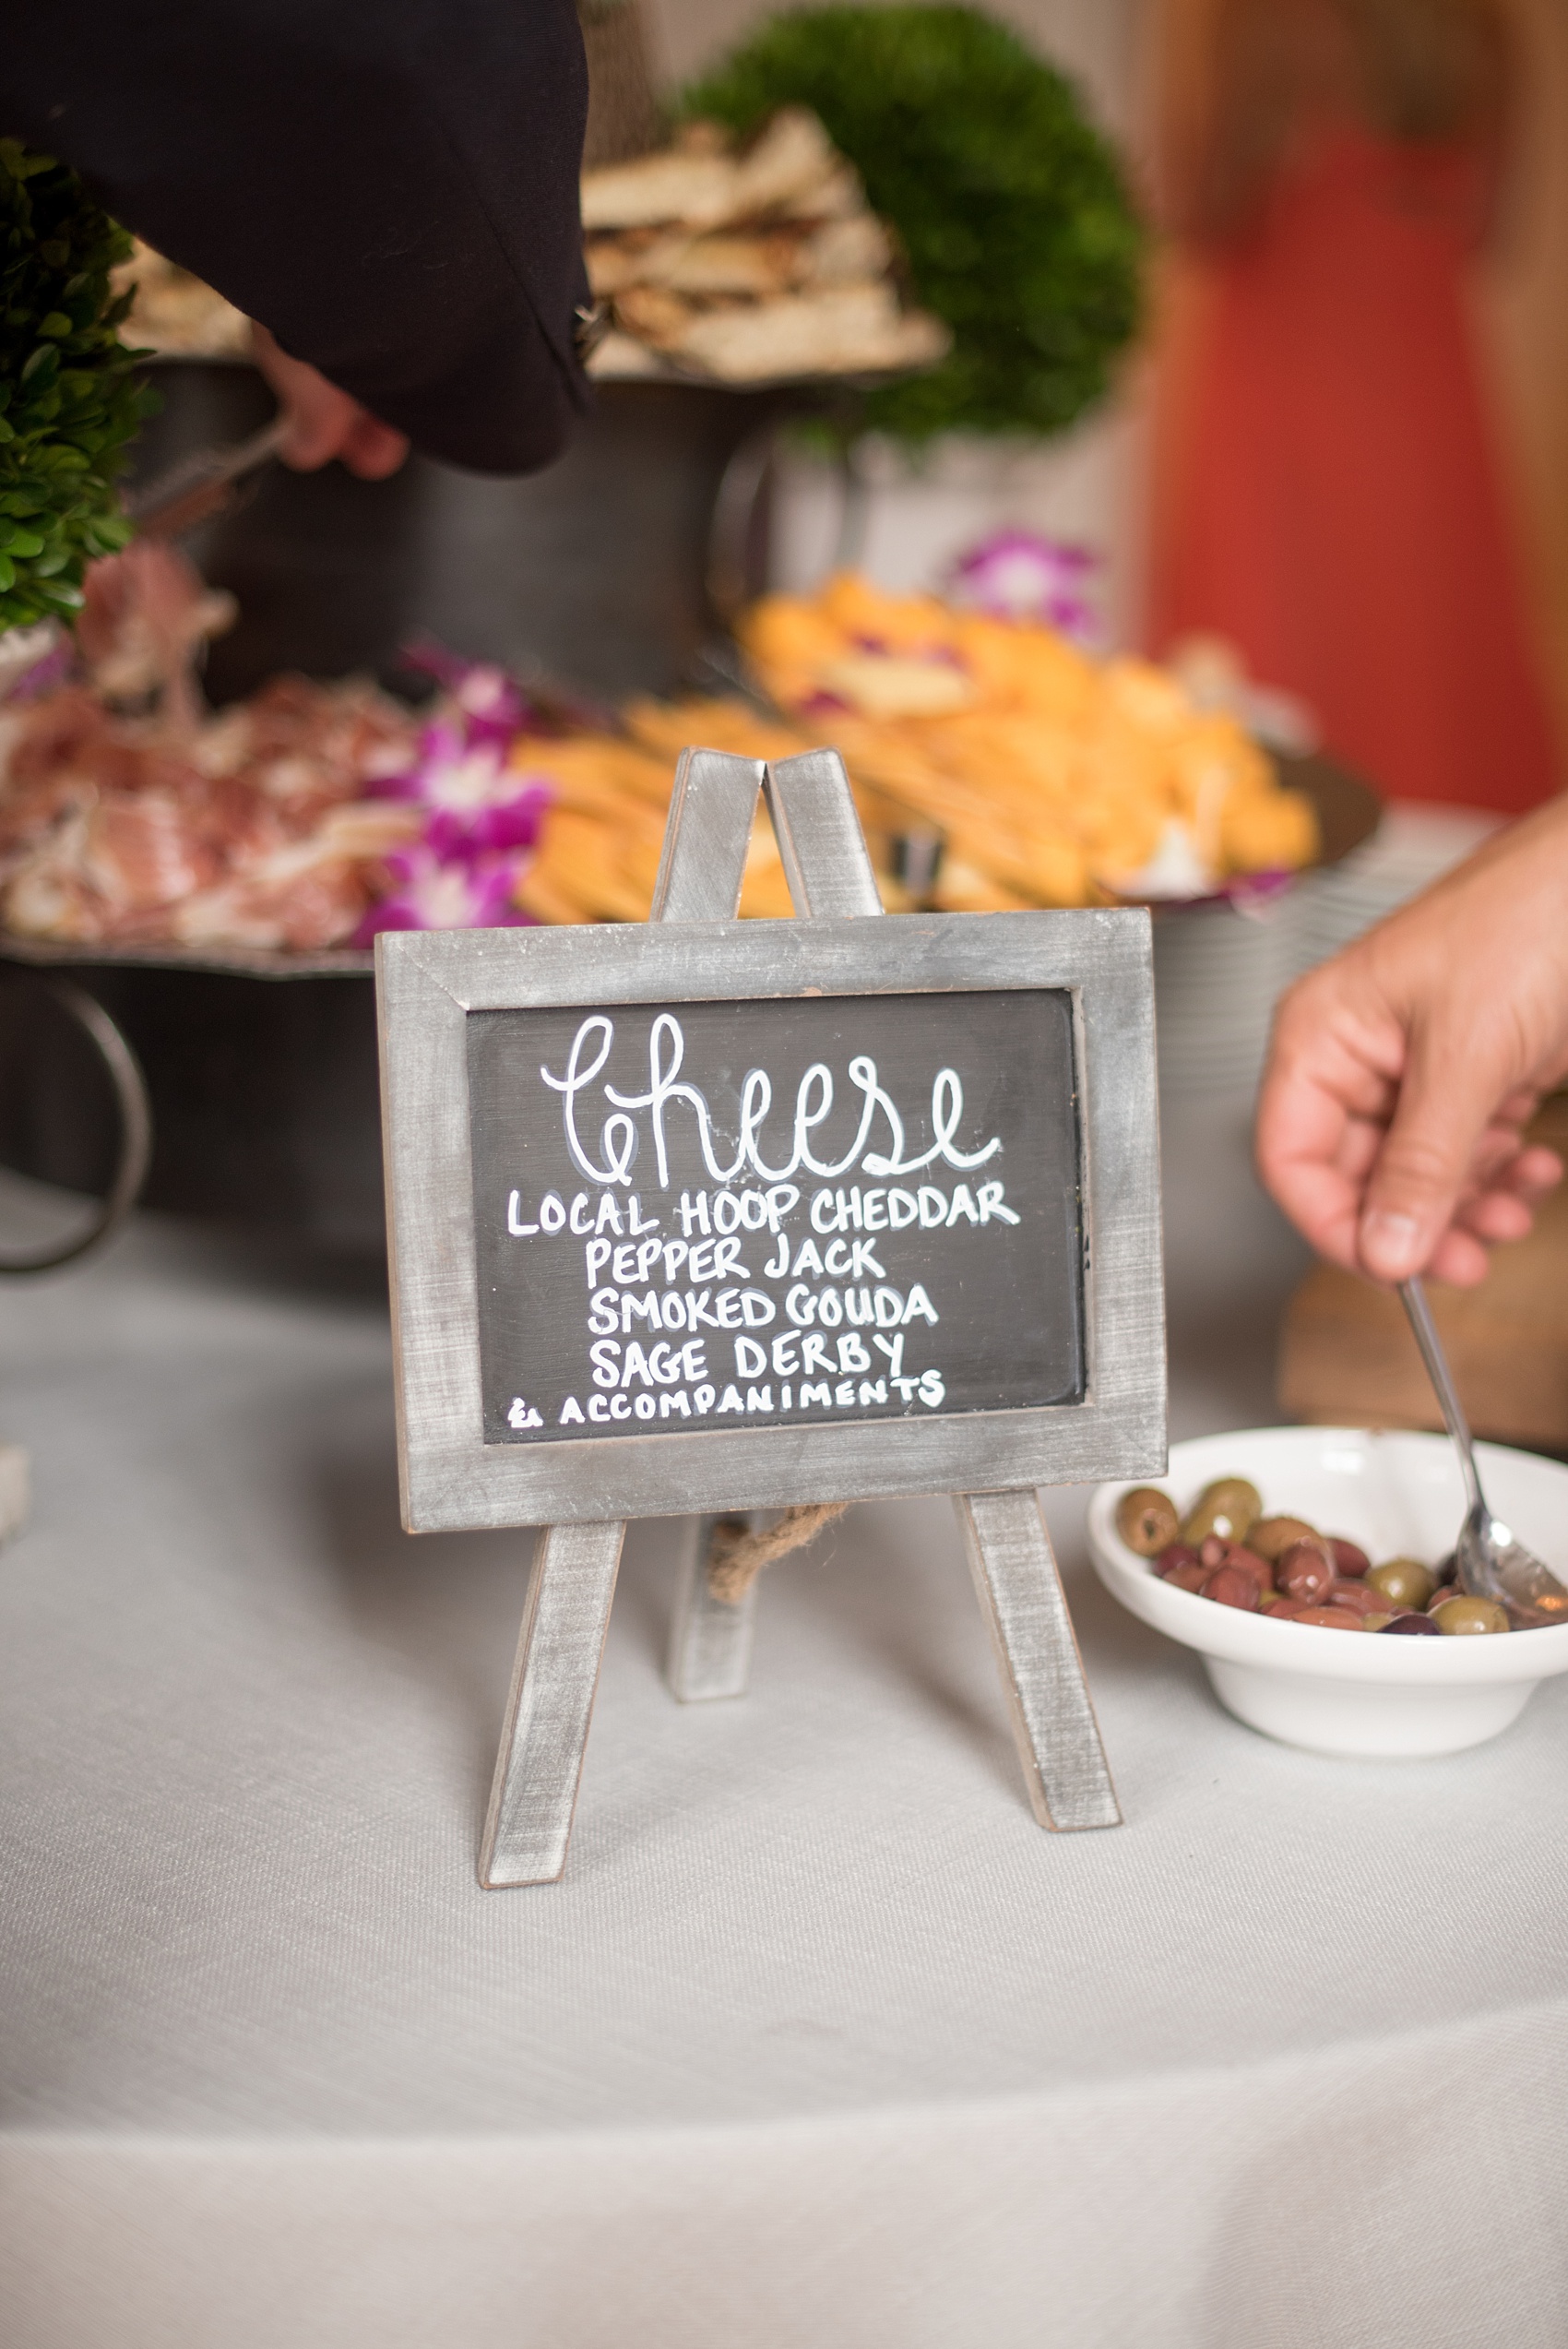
<point>450,770</point>
<point>492,705</point>
<point>45,674</point>
<point>482,816</point>
<point>475,800</point>
<point>1022,574</point>
<point>431,894</point>
<point>456,835</point>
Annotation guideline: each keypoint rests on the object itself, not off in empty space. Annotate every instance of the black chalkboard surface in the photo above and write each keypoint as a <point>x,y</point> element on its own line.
<point>717,1216</point>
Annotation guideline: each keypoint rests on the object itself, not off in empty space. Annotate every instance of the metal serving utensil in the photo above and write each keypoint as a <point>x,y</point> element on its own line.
<point>196,487</point>
<point>1490,1563</point>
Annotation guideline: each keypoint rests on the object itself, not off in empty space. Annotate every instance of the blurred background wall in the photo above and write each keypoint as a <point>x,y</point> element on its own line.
<point>1098,42</point>
<point>1522,309</point>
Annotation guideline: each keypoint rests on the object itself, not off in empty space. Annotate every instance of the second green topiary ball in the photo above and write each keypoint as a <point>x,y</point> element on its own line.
<point>1010,205</point>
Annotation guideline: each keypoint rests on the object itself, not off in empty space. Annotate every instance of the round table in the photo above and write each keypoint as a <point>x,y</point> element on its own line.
<point>821,2041</point>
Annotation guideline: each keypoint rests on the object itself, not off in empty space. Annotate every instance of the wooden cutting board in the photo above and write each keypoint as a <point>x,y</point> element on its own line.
<point>1348,1358</point>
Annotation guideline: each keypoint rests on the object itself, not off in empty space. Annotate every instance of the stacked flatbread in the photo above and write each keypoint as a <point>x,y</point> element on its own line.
<point>747,264</point>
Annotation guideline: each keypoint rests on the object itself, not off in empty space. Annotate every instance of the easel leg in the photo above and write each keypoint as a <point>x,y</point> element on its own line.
<point>529,1823</point>
<point>710,1642</point>
<point>1043,1677</point>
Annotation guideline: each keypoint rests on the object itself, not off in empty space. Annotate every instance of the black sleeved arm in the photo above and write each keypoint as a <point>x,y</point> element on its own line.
<point>390,185</point>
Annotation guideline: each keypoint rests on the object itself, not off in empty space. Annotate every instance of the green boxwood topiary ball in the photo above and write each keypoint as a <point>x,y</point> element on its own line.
<point>1010,205</point>
<point>69,400</point>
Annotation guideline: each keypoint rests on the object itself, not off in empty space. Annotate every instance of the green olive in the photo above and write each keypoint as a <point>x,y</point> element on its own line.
<point>1404,1581</point>
<point>1272,1536</point>
<point>1469,1614</point>
<point>1146,1519</point>
<point>1229,1506</point>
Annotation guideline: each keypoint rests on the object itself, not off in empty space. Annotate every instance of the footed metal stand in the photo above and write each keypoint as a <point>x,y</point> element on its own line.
<point>539,1762</point>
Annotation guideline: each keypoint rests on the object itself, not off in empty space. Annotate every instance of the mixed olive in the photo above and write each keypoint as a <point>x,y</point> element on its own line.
<point>1226,1549</point>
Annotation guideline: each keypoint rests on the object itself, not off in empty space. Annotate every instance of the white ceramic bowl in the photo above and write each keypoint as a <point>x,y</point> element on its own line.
<point>1344,1692</point>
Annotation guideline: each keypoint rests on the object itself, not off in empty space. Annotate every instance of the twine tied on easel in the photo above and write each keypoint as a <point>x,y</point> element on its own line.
<point>736,1556</point>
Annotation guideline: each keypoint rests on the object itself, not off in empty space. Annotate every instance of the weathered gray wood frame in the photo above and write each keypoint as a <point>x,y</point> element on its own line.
<point>428,982</point>
<point>529,1824</point>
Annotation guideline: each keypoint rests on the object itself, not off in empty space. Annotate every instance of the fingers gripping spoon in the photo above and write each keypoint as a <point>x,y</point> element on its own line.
<point>1492,1563</point>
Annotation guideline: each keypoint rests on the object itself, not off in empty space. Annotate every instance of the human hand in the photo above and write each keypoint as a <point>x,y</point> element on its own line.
<point>1402,1073</point>
<point>323,422</point>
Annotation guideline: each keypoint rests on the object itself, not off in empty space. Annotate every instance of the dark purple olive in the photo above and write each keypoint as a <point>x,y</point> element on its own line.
<point>1176,1554</point>
<point>1418,1626</point>
<point>1305,1572</point>
<point>1232,1586</point>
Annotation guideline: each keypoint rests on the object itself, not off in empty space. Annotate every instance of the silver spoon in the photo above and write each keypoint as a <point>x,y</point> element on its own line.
<point>1490,1563</point>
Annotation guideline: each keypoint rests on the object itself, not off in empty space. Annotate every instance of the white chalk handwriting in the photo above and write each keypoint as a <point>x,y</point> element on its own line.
<point>620,1134</point>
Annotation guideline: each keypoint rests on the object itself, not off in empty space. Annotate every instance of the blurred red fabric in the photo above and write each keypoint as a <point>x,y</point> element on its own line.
<point>1329,497</point>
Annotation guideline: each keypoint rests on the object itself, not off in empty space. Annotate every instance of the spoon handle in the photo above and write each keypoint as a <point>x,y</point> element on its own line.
<point>1413,1297</point>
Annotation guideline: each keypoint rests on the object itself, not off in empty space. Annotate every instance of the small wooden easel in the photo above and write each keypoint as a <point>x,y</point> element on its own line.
<point>572,1581</point>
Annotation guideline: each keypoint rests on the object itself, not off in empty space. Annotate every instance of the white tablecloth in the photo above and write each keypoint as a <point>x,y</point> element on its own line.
<point>821,2044</point>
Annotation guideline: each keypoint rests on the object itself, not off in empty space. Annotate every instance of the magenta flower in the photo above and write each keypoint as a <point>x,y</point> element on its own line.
<point>481,819</point>
<point>491,704</point>
<point>455,834</point>
<point>43,675</point>
<point>480,816</point>
<point>1022,574</point>
<point>428,894</point>
<point>449,770</point>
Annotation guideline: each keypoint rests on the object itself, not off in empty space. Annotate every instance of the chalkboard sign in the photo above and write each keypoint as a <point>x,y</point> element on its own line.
<point>708,1216</point>
<point>693,1214</point>
<point>715,1215</point>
